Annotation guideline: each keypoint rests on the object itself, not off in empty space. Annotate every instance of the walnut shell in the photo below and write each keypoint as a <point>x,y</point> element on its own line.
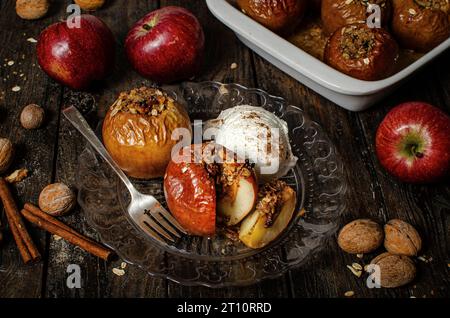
<point>401,238</point>
<point>32,9</point>
<point>32,116</point>
<point>360,236</point>
<point>6,154</point>
<point>395,270</point>
<point>90,5</point>
<point>57,199</point>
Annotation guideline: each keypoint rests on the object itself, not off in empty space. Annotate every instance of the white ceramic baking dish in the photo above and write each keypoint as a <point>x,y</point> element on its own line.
<point>347,92</point>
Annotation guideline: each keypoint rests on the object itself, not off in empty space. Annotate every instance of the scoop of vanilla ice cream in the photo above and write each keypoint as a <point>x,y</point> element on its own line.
<point>259,136</point>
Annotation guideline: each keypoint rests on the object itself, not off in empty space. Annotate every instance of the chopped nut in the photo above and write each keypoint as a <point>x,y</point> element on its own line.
<point>355,272</point>
<point>10,63</point>
<point>57,237</point>
<point>412,11</point>
<point>123,265</point>
<point>32,40</point>
<point>233,66</point>
<point>349,293</point>
<point>16,89</point>
<point>17,176</point>
<point>357,266</point>
<point>118,271</point>
<point>359,255</point>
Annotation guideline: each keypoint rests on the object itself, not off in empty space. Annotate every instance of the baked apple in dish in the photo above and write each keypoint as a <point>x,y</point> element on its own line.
<point>338,13</point>
<point>280,16</point>
<point>421,25</point>
<point>204,178</point>
<point>137,131</point>
<point>362,52</point>
<point>273,212</point>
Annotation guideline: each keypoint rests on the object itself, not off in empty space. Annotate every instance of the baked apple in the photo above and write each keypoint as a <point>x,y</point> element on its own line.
<point>273,212</point>
<point>137,131</point>
<point>362,52</point>
<point>203,179</point>
<point>421,25</point>
<point>281,16</point>
<point>338,13</point>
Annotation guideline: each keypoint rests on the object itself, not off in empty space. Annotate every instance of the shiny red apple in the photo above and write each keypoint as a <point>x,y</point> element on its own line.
<point>413,143</point>
<point>166,45</point>
<point>77,56</point>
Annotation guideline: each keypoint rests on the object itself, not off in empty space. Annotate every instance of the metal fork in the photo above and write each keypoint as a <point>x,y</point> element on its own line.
<point>145,211</point>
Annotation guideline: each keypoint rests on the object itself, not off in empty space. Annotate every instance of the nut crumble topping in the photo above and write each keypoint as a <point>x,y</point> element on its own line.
<point>434,4</point>
<point>356,42</point>
<point>144,100</point>
<point>270,200</point>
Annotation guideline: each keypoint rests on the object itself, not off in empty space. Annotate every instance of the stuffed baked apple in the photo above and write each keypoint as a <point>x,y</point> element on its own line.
<point>281,16</point>
<point>204,179</point>
<point>137,131</point>
<point>421,25</point>
<point>362,52</point>
<point>338,13</point>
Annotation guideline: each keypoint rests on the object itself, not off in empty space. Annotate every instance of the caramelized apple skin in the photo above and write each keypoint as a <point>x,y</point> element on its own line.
<point>191,196</point>
<point>338,13</point>
<point>280,16</point>
<point>379,62</point>
<point>420,28</point>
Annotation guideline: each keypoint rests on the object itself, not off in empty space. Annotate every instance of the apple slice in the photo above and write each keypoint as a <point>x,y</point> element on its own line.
<point>274,210</point>
<point>239,200</point>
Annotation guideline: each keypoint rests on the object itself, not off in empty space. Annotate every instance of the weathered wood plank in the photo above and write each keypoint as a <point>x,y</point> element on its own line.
<point>98,279</point>
<point>35,149</point>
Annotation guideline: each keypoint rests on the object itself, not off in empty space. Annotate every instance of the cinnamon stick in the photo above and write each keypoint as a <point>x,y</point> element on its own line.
<point>27,248</point>
<point>38,212</point>
<point>68,234</point>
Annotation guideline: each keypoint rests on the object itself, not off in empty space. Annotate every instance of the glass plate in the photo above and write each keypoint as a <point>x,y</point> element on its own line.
<point>219,262</point>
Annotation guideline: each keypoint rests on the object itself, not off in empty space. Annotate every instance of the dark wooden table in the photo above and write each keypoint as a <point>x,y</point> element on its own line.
<point>51,155</point>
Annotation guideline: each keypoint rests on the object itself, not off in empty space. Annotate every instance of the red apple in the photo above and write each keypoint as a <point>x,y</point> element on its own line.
<point>166,45</point>
<point>413,143</point>
<point>77,56</point>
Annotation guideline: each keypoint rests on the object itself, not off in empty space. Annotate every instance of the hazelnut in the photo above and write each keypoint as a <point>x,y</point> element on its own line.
<point>360,236</point>
<point>401,238</point>
<point>57,199</point>
<point>90,5</point>
<point>6,154</point>
<point>32,116</point>
<point>395,270</point>
<point>31,9</point>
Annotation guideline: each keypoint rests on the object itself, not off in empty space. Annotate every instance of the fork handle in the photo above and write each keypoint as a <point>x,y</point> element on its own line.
<point>77,120</point>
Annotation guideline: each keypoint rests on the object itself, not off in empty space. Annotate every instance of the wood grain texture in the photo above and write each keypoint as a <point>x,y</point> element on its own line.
<point>34,149</point>
<point>51,154</point>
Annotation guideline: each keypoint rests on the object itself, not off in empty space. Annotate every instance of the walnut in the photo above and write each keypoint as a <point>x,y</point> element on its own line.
<point>57,199</point>
<point>395,270</point>
<point>90,5</point>
<point>6,154</point>
<point>32,9</point>
<point>360,236</point>
<point>401,238</point>
<point>32,116</point>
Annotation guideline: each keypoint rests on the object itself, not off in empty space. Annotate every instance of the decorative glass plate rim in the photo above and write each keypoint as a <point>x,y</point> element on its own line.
<point>288,265</point>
